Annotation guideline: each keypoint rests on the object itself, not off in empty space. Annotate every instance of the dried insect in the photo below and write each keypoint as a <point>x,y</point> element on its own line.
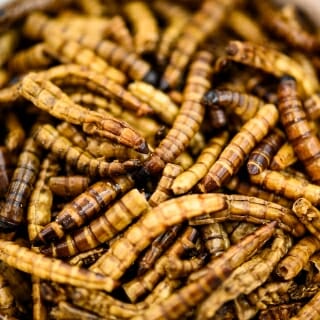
<point>33,58</point>
<point>242,187</point>
<point>4,169</point>
<point>261,155</point>
<point>16,134</point>
<point>7,300</point>
<point>49,138</point>
<point>312,106</point>
<point>284,23</point>
<point>8,43</point>
<point>287,185</point>
<point>157,247</point>
<point>176,19</point>
<point>126,249</point>
<point>215,238</point>
<point>70,51</point>
<point>246,27</point>
<point>188,179</point>
<point>203,22</point>
<point>217,117</point>
<point>160,102</point>
<point>308,215</point>
<point>244,105</point>
<point>217,271</point>
<point>284,158</point>
<point>281,312</point>
<point>190,115</point>
<point>39,310</point>
<point>12,213</point>
<point>233,156</point>
<point>297,257</point>
<point>72,133</point>
<point>68,186</point>
<point>40,266</point>
<point>270,61</point>
<point>40,202</point>
<point>144,24</point>
<point>90,99</point>
<point>272,293</point>
<point>83,207</point>
<point>305,143</point>
<point>163,190</point>
<point>105,227</point>
<point>86,259</point>
<point>247,277</point>
<point>241,230</point>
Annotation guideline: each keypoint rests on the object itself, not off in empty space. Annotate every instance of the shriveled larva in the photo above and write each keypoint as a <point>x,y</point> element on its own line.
<point>49,138</point>
<point>242,187</point>
<point>72,133</point>
<point>215,238</point>
<point>305,143</point>
<point>12,213</point>
<point>262,154</point>
<point>163,190</point>
<point>103,228</point>
<point>89,99</point>
<point>233,156</point>
<point>41,199</point>
<point>270,61</point>
<point>39,310</point>
<point>284,311</point>
<point>297,257</point>
<point>244,105</point>
<point>219,269</point>
<point>16,134</point>
<point>287,185</point>
<point>84,206</point>
<point>188,179</point>
<point>308,215</point>
<point>144,24</point>
<point>161,103</point>
<point>284,23</point>
<point>284,158</point>
<point>7,300</point>
<point>40,266</point>
<point>157,247</point>
<point>68,186</point>
<point>247,277</point>
<point>176,18</point>
<point>33,58</point>
<point>204,21</point>
<point>70,51</point>
<point>311,310</point>
<point>190,115</point>
<point>126,249</point>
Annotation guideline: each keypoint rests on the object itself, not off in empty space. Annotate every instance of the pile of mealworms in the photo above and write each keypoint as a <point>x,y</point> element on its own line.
<point>159,160</point>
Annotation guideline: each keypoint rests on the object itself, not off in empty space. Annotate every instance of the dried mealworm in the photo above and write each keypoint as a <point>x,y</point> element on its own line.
<point>219,269</point>
<point>84,206</point>
<point>287,185</point>
<point>204,21</point>
<point>160,102</point>
<point>72,133</point>
<point>49,138</point>
<point>190,115</point>
<point>39,310</point>
<point>270,61</point>
<point>247,277</point>
<point>103,228</point>
<point>262,154</point>
<point>305,143</point>
<point>308,215</point>
<point>4,170</point>
<point>41,199</point>
<point>312,106</point>
<point>217,117</point>
<point>297,257</point>
<point>284,158</point>
<point>244,105</point>
<point>144,24</point>
<point>87,258</point>
<point>68,186</point>
<point>233,156</point>
<point>188,179</point>
<point>245,188</point>
<point>242,230</point>
<point>12,213</point>
<point>40,266</point>
<point>16,133</point>
<point>89,99</point>
<point>163,190</point>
